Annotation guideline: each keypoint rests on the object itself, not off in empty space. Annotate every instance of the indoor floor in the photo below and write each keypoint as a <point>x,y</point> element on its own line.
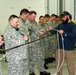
<point>51,67</point>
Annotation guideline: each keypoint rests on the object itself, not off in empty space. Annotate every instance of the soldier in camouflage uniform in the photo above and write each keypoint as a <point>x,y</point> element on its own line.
<point>52,38</point>
<point>35,53</point>
<point>17,58</point>
<point>24,13</point>
<point>50,44</point>
<point>44,37</point>
<point>47,51</point>
<point>23,30</point>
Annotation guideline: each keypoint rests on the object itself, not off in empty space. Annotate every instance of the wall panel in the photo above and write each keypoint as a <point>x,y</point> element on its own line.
<point>54,7</point>
<point>8,7</point>
<point>68,5</point>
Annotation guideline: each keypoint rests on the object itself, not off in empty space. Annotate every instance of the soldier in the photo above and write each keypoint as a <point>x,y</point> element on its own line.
<point>44,37</point>
<point>23,30</point>
<point>52,39</point>
<point>17,58</point>
<point>46,20</point>
<point>35,54</point>
<point>48,54</point>
<point>24,13</point>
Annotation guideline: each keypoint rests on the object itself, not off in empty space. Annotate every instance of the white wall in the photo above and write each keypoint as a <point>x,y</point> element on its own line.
<point>9,7</point>
<point>54,7</point>
<point>68,5</point>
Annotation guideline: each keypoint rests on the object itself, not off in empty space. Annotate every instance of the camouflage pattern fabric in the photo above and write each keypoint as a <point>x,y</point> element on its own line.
<point>35,54</point>
<point>17,58</point>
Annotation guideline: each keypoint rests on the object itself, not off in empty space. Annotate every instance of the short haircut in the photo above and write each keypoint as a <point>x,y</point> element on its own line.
<point>31,12</point>
<point>24,11</point>
<point>41,16</point>
<point>52,15</point>
<point>47,15</point>
<point>12,17</point>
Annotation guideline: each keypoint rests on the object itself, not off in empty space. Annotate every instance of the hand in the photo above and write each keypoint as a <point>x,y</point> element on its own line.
<point>25,37</point>
<point>61,31</point>
<point>50,28</point>
<point>1,41</point>
<point>43,32</point>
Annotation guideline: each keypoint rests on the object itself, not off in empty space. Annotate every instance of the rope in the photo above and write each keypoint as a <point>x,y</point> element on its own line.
<point>59,67</point>
<point>24,44</point>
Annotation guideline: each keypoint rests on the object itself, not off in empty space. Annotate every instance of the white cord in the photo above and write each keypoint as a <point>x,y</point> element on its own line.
<point>59,67</point>
<point>63,53</point>
<point>58,54</point>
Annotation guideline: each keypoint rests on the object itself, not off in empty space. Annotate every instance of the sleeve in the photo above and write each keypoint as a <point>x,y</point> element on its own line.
<point>54,31</point>
<point>11,40</point>
<point>21,29</point>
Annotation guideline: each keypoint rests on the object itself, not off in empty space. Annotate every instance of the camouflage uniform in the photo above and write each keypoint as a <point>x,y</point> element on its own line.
<point>23,29</point>
<point>17,58</point>
<point>52,39</point>
<point>35,54</point>
<point>44,38</point>
<point>47,51</point>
